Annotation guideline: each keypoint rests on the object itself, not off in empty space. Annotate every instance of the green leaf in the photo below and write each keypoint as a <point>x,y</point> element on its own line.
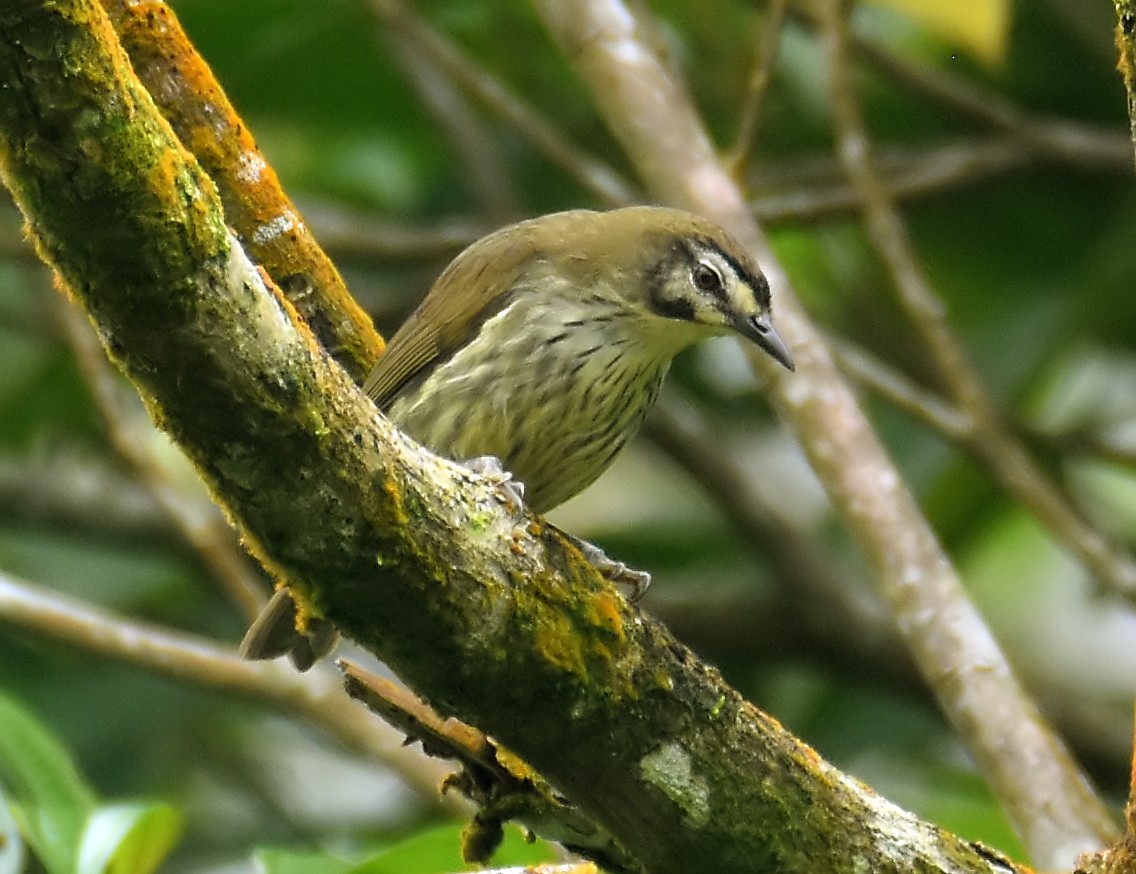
<point>439,849</point>
<point>300,862</point>
<point>49,798</point>
<point>128,838</point>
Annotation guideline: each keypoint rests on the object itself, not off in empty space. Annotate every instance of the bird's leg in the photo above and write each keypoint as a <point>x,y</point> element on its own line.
<point>490,467</point>
<point>615,571</point>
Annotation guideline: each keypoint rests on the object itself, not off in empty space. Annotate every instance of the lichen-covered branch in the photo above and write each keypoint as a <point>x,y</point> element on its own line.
<point>269,226</point>
<point>482,609</point>
<point>1126,63</point>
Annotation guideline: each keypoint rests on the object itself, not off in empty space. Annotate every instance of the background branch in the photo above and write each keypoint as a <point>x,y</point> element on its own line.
<point>255,205</point>
<point>955,651</point>
<point>1010,175</point>
<point>387,547</point>
<point>316,697</point>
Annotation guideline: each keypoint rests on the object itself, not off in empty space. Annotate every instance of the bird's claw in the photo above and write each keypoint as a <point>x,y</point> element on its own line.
<point>616,572</point>
<point>490,467</point>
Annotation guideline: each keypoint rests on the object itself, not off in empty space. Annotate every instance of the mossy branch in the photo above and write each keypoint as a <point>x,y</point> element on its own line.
<point>484,610</point>
<point>1126,57</point>
<point>267,223</point>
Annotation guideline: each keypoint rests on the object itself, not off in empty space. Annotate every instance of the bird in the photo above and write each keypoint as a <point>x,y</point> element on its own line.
<point>540,349</point>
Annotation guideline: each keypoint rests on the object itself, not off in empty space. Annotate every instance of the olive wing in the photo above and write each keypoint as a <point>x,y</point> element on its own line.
<point>470,289</point>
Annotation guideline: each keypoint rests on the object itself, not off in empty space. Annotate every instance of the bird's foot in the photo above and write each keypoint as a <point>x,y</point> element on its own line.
<point>615,571</point>
<point>490,467</point>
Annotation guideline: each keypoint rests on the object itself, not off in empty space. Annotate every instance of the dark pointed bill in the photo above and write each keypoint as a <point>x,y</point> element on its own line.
<point>760,330</point>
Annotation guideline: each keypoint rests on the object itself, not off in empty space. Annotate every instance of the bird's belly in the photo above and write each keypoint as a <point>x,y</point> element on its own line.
<point>556,423</point>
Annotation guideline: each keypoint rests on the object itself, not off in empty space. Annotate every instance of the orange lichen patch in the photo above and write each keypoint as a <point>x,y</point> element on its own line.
<point>602,610</point>
<point>515,765</point>
<point>191,99</point>
<point>164,174</point>
<point>397,503</point>
<point>558,643</point>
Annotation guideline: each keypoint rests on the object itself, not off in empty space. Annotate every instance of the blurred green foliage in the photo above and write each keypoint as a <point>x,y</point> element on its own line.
<point>1034,260</point>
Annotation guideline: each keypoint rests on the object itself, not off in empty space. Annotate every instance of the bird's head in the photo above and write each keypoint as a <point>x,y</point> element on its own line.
<point>675,270</point>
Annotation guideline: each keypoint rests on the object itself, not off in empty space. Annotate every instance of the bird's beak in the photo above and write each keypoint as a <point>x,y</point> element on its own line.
<point>760,330</point>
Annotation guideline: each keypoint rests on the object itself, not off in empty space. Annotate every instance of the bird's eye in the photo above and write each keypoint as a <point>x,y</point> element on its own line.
<point>706,277</point>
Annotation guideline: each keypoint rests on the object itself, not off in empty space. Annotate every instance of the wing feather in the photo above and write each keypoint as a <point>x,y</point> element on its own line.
<point>470,290</point>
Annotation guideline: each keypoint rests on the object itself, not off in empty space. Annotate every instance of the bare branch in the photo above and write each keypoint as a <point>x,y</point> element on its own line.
<point>589,171</point>
<point>1050,828</point>
<point>652,115</point>
<point>316,696</point>
<point>765,62</point>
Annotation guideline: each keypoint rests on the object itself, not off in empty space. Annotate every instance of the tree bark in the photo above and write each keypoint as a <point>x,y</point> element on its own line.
<point>484,610</point>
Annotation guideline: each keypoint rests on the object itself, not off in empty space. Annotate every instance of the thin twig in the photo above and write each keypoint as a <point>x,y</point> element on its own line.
<point>1084,442</point>
<point>765,62</point>
<point>902,392</point>
<point>805,190</point>
<point>1064,140</point>
<point>195,517</point>
<point>988,439</point>
<point>502,787</point>
<point>317,695</point>
<point>598,177</point>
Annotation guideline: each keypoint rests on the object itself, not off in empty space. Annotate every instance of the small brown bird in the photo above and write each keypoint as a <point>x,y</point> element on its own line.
<point>544,345</point>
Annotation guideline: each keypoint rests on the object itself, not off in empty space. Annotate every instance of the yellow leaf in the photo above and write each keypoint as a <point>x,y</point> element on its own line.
<point>979,27</point>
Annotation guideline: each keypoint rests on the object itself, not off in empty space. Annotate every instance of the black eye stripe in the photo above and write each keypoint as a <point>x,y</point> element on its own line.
<point>756,281</point>
<point>691,255</point>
